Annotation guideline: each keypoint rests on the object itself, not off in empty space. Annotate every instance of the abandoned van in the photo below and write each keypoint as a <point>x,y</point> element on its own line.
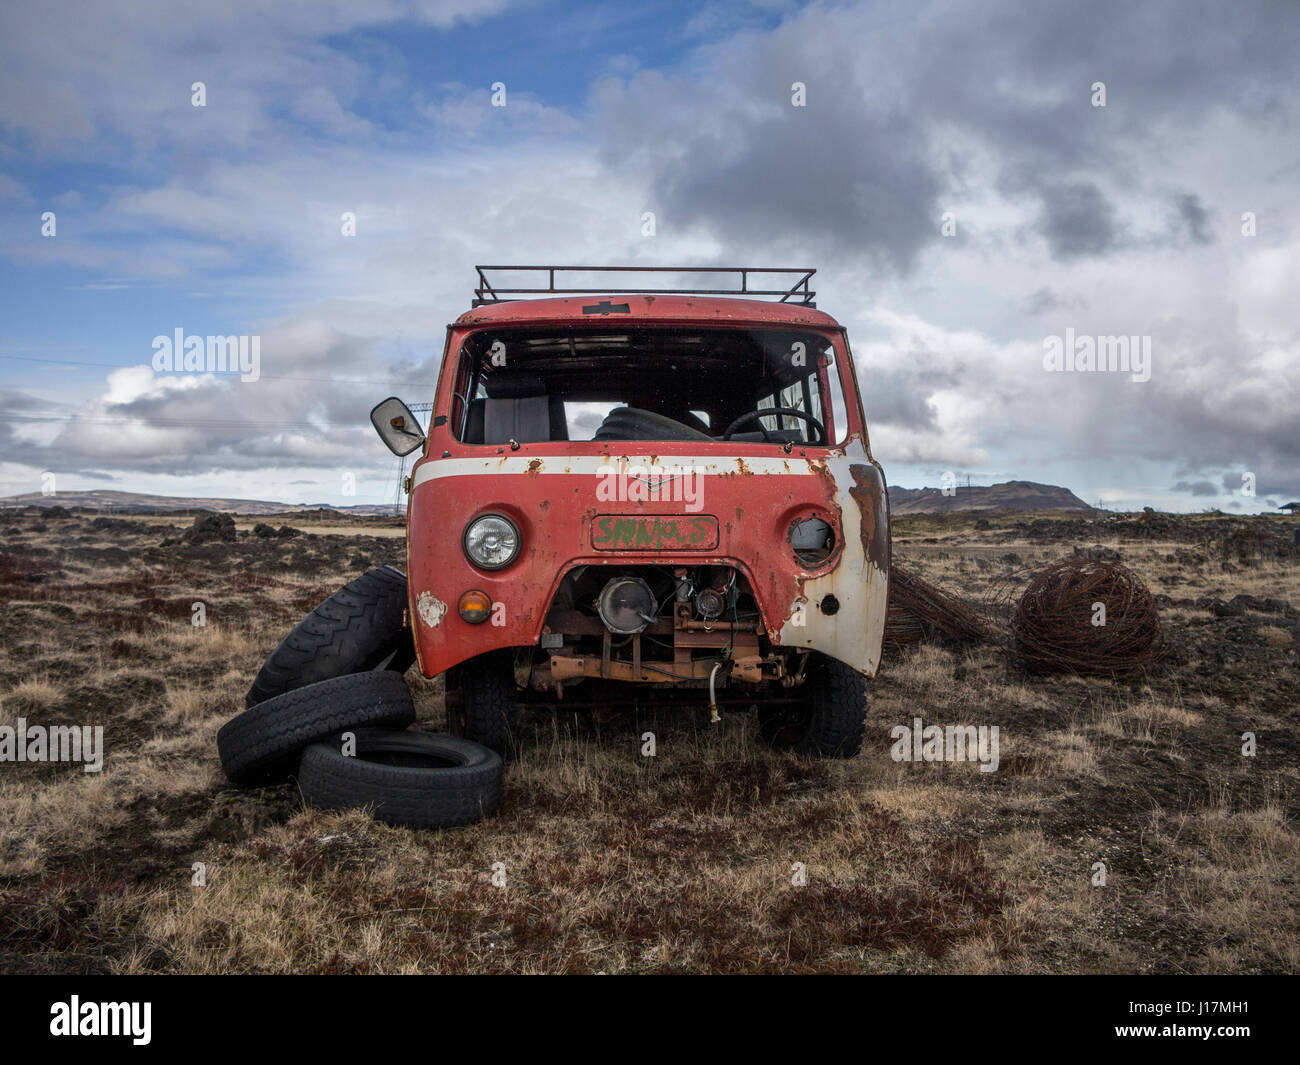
<point>645,497</point>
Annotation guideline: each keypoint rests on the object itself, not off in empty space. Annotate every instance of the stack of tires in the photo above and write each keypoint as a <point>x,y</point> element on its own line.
<point>330,706</point>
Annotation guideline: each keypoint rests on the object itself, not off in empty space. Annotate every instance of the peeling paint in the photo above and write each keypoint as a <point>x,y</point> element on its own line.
<point>431,609</point>
<point>868,492</point>
<point>859,578</point>
<point>753,524</point>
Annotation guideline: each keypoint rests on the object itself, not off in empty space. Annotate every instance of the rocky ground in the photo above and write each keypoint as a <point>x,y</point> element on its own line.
<point>687,861</point>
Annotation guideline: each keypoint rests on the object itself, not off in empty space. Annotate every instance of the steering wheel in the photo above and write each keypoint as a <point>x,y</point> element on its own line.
<point>754,415</point>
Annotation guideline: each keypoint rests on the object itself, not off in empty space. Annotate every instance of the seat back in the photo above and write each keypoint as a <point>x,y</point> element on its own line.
<point>526,419</point>
<point>516,408</point>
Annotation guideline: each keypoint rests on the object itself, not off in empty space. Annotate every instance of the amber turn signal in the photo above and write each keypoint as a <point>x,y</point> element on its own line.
<point>475,607</point>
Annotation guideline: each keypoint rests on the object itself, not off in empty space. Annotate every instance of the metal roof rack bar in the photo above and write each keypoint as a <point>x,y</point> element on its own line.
<point>799,292</point>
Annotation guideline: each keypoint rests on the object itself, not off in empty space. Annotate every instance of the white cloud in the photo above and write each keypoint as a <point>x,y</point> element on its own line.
<point>903,122</point>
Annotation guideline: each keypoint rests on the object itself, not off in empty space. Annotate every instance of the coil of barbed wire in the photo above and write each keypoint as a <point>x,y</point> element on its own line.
<point>1085,615</point>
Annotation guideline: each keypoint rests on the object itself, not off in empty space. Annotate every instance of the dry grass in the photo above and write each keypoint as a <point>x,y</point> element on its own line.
<point>683,862</point>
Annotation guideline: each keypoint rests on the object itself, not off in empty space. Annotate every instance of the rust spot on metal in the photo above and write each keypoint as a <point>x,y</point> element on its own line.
<point>868,493</point>
<point>823,473</point>
<point>744,470</point>
<point>534,467</point>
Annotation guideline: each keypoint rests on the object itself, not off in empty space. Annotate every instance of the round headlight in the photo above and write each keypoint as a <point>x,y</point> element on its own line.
<point>626,606</point>
<point>491,541</point>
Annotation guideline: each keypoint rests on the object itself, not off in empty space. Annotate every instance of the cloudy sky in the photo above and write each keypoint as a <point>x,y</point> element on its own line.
<point>950,174</point>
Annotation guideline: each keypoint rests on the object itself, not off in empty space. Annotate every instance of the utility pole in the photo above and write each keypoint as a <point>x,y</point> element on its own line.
<point>398,502</point>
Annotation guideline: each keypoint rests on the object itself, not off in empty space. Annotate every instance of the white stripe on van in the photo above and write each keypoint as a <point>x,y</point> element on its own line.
<point>597,465</point>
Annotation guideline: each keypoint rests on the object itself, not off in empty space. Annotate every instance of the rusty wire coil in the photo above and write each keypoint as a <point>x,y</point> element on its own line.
<point>1052,624</point>
<point>918,610</point>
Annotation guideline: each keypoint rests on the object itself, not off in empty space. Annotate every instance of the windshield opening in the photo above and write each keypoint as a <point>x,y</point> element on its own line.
<point>606,383</point>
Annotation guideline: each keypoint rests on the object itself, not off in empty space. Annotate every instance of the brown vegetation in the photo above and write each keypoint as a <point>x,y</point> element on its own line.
<point>687,861</point>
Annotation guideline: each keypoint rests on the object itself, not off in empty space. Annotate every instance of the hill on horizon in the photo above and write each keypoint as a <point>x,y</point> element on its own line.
<point>112,502</point>
<point>1009,495</point>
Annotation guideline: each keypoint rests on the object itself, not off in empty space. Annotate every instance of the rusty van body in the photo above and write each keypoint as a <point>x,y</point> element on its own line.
<point>647,496</point>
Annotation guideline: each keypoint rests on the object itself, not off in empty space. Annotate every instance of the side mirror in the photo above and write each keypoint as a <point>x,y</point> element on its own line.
<point>396,426</point>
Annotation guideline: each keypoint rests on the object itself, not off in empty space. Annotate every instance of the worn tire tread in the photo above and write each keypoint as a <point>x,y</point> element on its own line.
<point>424,797</point>
<point>353,630</point>
<point>491,704</point>
<point>839,712</point>
<point>261,745</point>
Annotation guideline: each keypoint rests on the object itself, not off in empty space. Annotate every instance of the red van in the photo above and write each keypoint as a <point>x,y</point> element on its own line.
<point>644,496</point>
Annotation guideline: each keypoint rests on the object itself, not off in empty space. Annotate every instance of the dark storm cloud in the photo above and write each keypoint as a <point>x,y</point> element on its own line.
<point>191,425</point>
<point>1045,301</point>
<point>797,176</point>
<point>1078,220</point>
<point>1195,218</point>
<point>896,104</point>
<point>1196,488</point>
<point>899,396</point>
<point>1209,440</point>
<point>19,412</point>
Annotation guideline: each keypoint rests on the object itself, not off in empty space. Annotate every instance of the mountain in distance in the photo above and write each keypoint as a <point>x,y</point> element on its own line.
<point>1010,495</point>
<point>109,502</point>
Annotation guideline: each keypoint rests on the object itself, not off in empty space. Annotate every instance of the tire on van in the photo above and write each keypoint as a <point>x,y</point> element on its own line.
<point>829,722</point>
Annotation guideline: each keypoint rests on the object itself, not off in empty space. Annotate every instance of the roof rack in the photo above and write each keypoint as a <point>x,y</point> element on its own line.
<point>799,292</point>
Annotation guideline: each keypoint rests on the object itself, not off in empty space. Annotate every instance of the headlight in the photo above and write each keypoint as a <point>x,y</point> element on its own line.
<point>491,541</point>
<point>626,606</point>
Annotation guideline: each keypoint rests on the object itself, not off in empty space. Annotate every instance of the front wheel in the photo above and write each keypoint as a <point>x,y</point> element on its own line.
<point>487,709</point>
<point>831,719</point>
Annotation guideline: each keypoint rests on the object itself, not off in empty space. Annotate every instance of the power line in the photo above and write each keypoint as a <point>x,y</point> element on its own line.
<point>415,408</point>
<point>181,423</point>
<point>388,382</point>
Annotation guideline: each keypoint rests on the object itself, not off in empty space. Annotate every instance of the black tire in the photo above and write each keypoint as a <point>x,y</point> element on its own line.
<point>417,779</point>
<point>489,708</point>
<point>631,423</point>
<point>358,628</point>
<point>831,720</point>
<point>262,744</point>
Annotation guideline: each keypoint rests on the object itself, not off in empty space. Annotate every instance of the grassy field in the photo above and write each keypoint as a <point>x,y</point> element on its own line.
<point>687,861</point>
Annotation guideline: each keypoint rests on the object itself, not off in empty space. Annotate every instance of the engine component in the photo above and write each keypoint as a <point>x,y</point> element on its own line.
<point>626,606</point>
<point>710,603</point>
